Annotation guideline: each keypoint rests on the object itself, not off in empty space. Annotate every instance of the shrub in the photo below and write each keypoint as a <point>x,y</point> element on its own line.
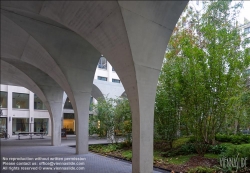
<point>183,150</point>
<point>216,149</point>
<point>187,149</point>
<point>241,151</point>
<point>235,139</point>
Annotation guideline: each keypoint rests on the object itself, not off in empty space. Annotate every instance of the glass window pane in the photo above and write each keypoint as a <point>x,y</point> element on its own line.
<point>102,78</point>
<point>20,125</point>
<point>38,104</point>
<point>116,80</point>
<point>20,101</point>
<point>69,123</point>
<point>102,63</point>
<point>41,125</point>
<point>3,99</point>
<point>247,30</point>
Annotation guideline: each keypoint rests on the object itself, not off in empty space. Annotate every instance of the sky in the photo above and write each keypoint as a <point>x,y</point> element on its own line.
<point>245,12</point>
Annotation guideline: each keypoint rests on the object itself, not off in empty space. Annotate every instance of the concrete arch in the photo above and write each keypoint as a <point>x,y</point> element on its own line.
<point>96,92</point>
<point>109,89</point>
<point>10,75</point>
<point>124,94</point>
<point>67,43</point>
<point>133,36</point>
<point>51,91</point>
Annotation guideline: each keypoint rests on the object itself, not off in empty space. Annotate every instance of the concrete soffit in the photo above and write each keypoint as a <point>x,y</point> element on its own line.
<point>10,75</point>
<point>30,52</point>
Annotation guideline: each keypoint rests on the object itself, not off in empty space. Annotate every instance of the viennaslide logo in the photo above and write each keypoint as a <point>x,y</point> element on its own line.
<point>234,162</point>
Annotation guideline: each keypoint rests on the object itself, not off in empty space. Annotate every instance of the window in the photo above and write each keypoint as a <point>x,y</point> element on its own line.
<point>38,104</point>
<point>20,101</point>
<point>3,99</point>
<point>102,78</point>
<point>197,2</point>
<point>248,40</point>
<point>41,125</point>
<point>69,123</point>
<point>102,63</point>
<point>116,81</point>
<point>247,30</point>
<point>113,69</point>
<point>20,125</point>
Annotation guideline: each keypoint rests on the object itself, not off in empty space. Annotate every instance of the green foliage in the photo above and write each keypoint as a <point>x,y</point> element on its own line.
<point>112,117</point>
<point>235,139</point>
<point>185,149</point>
<point>217,149</point>
<point>201,169</point>
<point>240,151</point>
<point>201,88</point>
<point>127,155</point>
<point>180,141</point>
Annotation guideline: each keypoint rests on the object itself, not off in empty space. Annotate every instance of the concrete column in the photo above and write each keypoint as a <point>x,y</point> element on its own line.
<point>55,125</point>
<point>109,72</point>
<point>9,108</point>
<point>31,109</point>
<point>143,120</point>
<point>82,122</point>
<point>54,96</point>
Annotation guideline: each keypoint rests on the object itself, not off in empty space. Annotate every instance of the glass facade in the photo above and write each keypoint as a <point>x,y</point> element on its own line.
<point>3,124</point>
<point>102,63</point>
<point>38,104</point>
<point>102,78</point>
<point>20,101</point>
<point>247,30</point>
<point>116,81</point>
<point>3,99</point>
<point>69,123</point>
<point>41,125</point>
<point>20,125</point>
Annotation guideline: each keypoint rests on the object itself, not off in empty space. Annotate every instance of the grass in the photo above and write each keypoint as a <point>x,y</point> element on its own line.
<point>127,154</point>
<point>211,156</point>
<point>178,160</point>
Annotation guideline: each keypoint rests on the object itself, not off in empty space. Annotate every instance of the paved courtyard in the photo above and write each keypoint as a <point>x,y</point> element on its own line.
<point>37,155</point>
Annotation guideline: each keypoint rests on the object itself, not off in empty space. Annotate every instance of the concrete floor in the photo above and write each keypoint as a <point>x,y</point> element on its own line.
<point>28,150</point>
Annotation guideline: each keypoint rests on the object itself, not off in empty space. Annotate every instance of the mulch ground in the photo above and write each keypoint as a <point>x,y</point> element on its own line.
<point>192,163</point>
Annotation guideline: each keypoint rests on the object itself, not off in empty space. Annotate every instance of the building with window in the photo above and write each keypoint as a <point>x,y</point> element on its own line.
<point>24,111</point>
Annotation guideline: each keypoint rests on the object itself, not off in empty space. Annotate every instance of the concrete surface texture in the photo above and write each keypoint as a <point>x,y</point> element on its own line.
<point>64,40</point>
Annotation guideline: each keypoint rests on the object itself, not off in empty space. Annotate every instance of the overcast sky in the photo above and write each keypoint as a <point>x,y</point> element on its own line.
<point>245,12</point>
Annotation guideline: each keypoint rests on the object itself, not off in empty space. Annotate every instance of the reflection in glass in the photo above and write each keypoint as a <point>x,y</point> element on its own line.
<point>41,125</point>
<point>20,125</point>
<point>3,99</point>
<point>38,104</point>
<point>102,63</point>
<point>20,101</point>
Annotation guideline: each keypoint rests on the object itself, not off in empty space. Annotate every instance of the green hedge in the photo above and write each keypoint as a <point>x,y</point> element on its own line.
<point>235,139</point>
<point>240,151</point>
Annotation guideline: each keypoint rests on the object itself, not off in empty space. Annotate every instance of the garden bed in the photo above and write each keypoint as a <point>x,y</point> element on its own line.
<point>178,164</point>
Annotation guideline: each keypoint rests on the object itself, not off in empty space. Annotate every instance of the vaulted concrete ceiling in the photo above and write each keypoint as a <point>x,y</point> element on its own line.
<point>132,35</point>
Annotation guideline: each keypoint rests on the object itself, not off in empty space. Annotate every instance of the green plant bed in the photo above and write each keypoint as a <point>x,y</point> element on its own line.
<point>177,162</point>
